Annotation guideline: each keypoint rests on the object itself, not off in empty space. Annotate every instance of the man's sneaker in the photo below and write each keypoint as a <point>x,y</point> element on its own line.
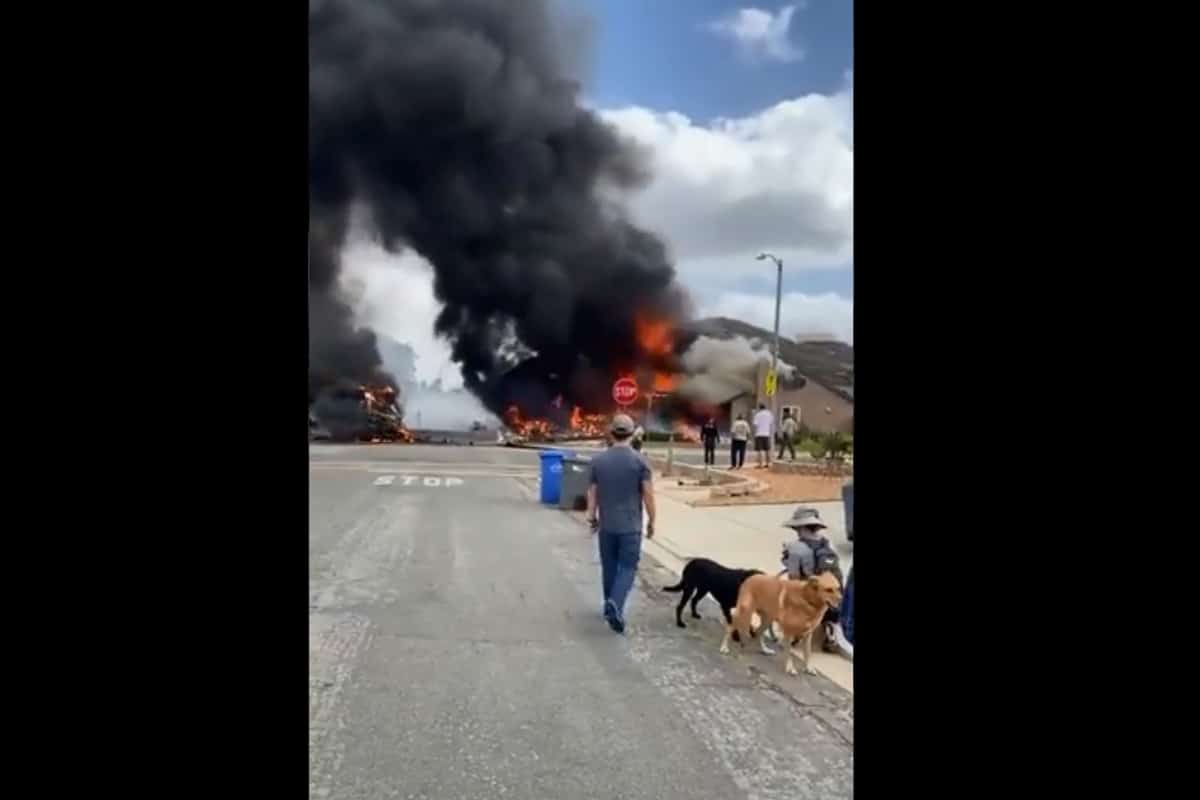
<point>844,646</point>
<point>613,617</point>
<point>830,645</point>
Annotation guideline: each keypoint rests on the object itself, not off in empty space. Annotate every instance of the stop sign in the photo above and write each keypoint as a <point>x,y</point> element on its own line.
<point>625,391</point>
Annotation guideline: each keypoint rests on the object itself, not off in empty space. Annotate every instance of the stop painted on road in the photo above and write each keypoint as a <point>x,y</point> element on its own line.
<point>432,481</point>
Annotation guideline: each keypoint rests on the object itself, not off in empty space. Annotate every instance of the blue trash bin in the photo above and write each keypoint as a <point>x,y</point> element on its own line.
<point>552,467</point>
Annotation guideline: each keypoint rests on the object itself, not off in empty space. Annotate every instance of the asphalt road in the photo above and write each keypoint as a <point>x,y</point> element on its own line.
<point>456,649</point>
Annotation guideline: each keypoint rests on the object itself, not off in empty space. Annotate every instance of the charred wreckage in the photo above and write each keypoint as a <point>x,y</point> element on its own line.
<point>349,413</point>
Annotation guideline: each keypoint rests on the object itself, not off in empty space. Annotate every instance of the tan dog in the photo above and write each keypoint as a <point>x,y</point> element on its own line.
<point>797,606</point>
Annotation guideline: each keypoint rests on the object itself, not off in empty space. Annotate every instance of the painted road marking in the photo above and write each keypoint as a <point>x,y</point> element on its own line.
<point>432,481</point>
<point>455,470</point>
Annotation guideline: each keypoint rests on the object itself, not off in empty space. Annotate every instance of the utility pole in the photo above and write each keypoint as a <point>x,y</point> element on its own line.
<point>775,350</point>
<point>670,437</point>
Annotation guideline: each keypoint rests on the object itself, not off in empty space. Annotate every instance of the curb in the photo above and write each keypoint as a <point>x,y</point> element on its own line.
<point>734,485</point>
<point>814,468</point>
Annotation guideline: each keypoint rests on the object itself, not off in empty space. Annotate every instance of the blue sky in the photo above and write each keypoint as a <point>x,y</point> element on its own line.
<point>692,57</point>
<point>662,55</point>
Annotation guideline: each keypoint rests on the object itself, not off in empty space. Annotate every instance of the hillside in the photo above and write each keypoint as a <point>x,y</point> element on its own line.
<point>828,363</point>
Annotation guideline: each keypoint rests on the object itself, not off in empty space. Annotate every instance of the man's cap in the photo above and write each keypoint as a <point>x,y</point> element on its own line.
<point>621,423</point>
<point>804,517</point>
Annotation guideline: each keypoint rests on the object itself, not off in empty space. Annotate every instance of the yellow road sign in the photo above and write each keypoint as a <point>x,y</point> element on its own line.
<point>772,380</point>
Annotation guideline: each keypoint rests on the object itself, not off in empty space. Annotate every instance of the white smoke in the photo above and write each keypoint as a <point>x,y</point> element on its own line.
<point>430,407</point>
<point>428,404</point>
<point>720,369</point>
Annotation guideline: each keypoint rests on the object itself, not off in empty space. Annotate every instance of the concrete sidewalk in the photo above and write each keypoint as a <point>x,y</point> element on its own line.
<point>749,537</point>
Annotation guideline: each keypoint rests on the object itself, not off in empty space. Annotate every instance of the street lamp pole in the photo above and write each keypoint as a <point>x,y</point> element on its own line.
<point>775,349</point>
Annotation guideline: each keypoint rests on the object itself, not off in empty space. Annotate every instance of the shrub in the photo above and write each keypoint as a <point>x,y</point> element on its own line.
<point>831,446</point>
<point>836,446</point>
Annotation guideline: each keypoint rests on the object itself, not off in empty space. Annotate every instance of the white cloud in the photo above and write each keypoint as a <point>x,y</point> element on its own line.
<point>760,34</point>
<point>827,314</point>
<point>779,180</point>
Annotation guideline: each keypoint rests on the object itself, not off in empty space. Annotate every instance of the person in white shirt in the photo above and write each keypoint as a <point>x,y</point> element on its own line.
<point>737,442</point>
<point>764,422</point>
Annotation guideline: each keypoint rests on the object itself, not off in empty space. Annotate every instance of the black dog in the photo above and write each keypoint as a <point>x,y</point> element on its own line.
<point>703,576</point>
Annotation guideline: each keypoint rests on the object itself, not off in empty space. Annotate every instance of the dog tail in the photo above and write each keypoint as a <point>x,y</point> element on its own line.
<point>676,588</point>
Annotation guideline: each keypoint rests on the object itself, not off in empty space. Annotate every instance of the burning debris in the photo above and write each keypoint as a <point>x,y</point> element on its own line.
<point>350,413</point>
<point>589,426</point>
<point>532,429</point>
<point>576,425</point>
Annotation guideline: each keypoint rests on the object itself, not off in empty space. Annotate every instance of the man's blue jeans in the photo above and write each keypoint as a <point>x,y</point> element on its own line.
<point>619,556</point>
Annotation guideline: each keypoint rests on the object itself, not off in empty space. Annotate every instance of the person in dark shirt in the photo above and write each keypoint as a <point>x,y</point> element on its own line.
<point>620,484</point>
<point>710,436</point>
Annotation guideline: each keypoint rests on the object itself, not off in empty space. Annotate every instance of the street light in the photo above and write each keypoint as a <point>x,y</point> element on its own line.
<point>775,350</point>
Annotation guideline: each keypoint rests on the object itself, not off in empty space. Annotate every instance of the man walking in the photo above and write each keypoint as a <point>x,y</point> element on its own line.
<point>620,484</point>
<point>738,437</point>
<point>787,435</point>
<point>710,436</point>
<point>764,423</point>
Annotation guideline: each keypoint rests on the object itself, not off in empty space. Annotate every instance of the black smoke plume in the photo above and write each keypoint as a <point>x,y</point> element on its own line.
<point>454,125</point>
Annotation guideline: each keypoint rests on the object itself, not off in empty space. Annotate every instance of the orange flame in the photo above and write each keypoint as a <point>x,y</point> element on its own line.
<point>579,425</point>
<point>529,428</point>
<point>655,337</point>
<point>685,432</point>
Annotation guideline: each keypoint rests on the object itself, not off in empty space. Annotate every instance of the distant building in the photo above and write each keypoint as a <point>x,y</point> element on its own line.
<point>820,409</point>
